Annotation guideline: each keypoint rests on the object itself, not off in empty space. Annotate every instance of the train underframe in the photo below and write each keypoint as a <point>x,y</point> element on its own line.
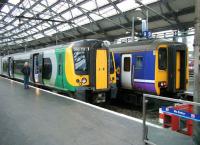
<point>85,94</point>
<point>135,97</point>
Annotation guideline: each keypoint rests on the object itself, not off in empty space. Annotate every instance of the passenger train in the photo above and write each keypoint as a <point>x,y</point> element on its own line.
<point>152,66</point>
<point>83,68</point>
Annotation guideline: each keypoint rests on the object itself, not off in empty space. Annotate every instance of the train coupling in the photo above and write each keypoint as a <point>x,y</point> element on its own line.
<point>100,98</point>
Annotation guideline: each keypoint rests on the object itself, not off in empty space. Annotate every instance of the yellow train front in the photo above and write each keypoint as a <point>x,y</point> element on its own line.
<point>152,66</point>
<point>99,81</point>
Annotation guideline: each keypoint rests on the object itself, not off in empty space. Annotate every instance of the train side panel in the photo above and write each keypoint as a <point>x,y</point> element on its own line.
<point>144,71</point>
<point>4,66</point>
<point>19,61</point>
<point>49,68</point>
<point>117,58</point>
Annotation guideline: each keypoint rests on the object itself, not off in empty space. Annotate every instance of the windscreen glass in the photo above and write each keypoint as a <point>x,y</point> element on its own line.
<point>81,56</point>
<point>162,58</point>
<point>111,64</point>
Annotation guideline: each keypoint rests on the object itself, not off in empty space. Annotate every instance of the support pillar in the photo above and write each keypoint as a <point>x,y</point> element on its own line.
<point>196,129</point>
<point>133,29</point>
<point>184,38</point>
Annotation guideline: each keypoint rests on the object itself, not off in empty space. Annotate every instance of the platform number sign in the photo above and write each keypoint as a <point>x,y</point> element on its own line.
<point>147,34</point>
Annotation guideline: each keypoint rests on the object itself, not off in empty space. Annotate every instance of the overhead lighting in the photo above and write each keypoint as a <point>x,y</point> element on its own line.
<point>138,9</point>
<point>139,18</point>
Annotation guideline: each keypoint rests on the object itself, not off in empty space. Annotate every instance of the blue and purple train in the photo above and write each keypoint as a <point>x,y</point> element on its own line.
<point>152,66</point>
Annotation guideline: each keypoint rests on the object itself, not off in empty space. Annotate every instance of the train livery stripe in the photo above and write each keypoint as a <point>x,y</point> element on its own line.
<point>144,81</point>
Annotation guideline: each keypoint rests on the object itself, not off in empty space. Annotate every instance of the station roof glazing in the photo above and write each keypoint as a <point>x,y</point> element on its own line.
<point>26,20</point>
<point>33,23</point>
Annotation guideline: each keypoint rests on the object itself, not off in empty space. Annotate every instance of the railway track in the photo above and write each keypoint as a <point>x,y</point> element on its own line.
<point>131,110</point>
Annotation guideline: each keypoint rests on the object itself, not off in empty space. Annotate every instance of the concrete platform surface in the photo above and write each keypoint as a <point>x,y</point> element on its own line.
<point>36,117</point>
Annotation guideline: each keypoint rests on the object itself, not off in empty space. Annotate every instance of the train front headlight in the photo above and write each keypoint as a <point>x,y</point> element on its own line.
<point>162,84</point>
<point>83,80</point>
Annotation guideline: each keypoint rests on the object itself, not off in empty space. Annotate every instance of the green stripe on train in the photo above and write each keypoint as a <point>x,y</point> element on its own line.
<point>61,80</point>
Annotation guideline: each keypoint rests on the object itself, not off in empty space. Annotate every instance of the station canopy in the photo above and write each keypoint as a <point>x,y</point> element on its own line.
<point>30,24</point>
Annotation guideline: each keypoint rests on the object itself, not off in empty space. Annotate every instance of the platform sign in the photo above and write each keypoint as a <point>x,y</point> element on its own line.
<point>180,113</point>
<point>147,34</point>
<point>175,33</point>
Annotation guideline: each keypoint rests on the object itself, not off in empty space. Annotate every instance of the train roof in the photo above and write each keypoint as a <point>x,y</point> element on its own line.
<point>144,45</point>
<point>78,43</point>
<point>37,50</point>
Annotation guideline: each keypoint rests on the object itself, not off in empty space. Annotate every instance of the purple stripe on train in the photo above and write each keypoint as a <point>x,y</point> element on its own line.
<point>149,87</point>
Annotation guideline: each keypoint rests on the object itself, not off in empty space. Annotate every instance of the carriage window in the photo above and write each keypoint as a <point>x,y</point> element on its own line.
<point>127,63</point>
<point>111,64</point>
<point>139,62</point>
<point>47,68</point>
<point>80,61</point>
<point>5,66</point>
<point>162,58</point>
<point>18,65</point>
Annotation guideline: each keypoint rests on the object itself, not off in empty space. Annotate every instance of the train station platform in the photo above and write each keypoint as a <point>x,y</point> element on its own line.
<point>39,117</point>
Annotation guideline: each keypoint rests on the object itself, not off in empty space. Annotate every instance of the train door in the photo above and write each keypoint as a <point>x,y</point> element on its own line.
<point>10,67</point>
<point>177,67</point>
<point>101,69</point>
<point>60,70</point>
<point>126,71</point>
<point>36,63</point>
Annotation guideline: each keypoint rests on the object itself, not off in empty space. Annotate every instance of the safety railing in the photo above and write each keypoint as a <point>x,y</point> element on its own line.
<point>190,116</point>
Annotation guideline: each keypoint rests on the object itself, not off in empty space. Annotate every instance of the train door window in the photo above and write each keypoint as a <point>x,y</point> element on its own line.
<point>139,62</point>
<point>162,58</point>
<point>127,64</point>
<point>60,64</point>
<point>36,64</point>
<point>36,68</point>
<point>111,64</point>
<point>47,68</point>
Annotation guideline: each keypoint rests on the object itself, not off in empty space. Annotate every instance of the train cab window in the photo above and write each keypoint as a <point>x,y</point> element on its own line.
<point>47,68</point>
<point>81,60</point>
<point>111,64</point>
<point>162,58</point>
<point>127,63</point>
<point>139,62</point>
